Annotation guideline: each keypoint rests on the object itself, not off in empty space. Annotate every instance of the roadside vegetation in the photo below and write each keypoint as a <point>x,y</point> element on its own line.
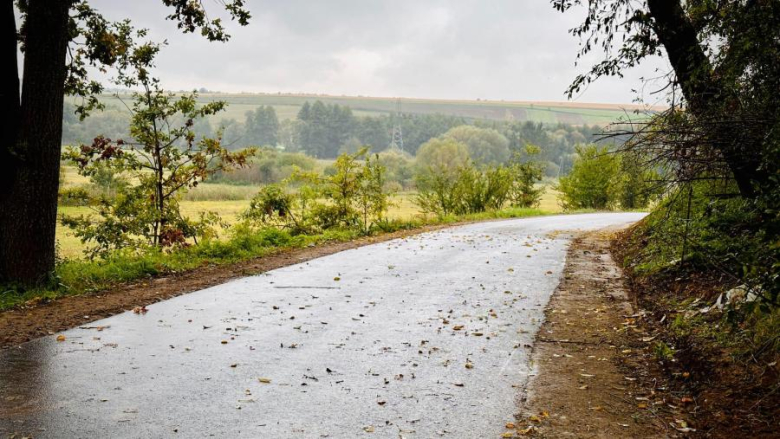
<point>705,264</point>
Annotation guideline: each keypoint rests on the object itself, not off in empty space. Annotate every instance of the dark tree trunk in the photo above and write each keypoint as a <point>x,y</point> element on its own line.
<point>9,91</point>
<point>28,203</point>
<point>701,89</point>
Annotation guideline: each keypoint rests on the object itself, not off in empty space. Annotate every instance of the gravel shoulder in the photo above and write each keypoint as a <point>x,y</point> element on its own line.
<point>584,386</point>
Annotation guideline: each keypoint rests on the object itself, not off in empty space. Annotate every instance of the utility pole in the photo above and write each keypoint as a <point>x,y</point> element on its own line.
<point>397,139</point>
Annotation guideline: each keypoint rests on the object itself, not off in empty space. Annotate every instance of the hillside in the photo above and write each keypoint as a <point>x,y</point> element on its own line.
<point>574,113</point>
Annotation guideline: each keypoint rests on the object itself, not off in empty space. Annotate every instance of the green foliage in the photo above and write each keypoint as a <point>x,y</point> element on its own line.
<point>163,159</point>
<point>718,142</point>
<point>372,194</point>
<point>108,180</point>
<point>697,225</point>
<point>449,183</point>
<point>480,190</point>
<point>353,195</point>
<point>273,207</point>
<point>323,129</point>
<point>637,185</point>
<point>442,155</point>
<point>268,166</point>
<point>662,351</point>
<point>399,168</point>
<point>437,192</point>
<point>525,175</point>
<point>262,127</point>
<point>465,190</point>
<point>591,182</point>
<point>485,146</point>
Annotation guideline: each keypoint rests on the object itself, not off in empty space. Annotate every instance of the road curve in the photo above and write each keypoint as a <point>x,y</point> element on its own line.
<point>427,336</point>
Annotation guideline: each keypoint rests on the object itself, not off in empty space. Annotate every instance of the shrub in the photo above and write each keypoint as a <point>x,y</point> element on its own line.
<point>465,190</point>
<point>353,195</point>
<point>592,180</point>
<point>525,175</point>
<point>164,159</point>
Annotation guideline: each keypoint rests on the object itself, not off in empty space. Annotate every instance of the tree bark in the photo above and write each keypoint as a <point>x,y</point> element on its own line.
<point>28,203</point>
<point>9,91</point>
<point>703,94</point>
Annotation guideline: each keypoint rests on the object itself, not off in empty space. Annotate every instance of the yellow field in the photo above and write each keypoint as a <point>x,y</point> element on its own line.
<point>402,207</point>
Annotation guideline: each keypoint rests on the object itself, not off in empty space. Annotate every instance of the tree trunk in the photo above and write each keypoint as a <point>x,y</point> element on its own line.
<point>703,94</point>
<point>31,163</point>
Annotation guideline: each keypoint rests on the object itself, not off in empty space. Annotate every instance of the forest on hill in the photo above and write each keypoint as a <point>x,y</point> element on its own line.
<point>324,131</point>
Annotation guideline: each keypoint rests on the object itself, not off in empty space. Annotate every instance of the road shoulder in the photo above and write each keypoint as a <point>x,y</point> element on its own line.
<point>583,386</point>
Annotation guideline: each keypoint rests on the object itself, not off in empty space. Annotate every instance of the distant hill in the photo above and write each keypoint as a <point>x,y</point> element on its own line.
<point>574,113</point>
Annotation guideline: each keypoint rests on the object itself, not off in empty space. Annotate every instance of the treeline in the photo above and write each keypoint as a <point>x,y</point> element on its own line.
<point>326,130</point>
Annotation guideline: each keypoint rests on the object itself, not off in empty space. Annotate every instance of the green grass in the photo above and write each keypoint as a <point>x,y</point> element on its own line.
<point>229,201</point>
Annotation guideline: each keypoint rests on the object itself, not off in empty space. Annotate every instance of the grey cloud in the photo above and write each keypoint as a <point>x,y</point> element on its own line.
<point>456,49</point>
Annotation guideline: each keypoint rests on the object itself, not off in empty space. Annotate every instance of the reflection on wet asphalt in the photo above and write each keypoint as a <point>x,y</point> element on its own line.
<point>424,337</point>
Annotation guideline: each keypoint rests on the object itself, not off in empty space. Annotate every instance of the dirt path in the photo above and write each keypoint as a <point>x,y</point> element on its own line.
<point>583,386</point>
<point>25,323</point>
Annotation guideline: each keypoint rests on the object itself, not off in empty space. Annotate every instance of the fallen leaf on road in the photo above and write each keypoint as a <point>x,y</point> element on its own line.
<point>369,429</point>
<point>264,380</point>
<point>60,337</point>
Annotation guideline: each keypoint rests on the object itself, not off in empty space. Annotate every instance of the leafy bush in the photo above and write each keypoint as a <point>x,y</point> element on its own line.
<point>525,175</point>
<point>465,190</point>
<point>486,146</point>
<point>353,196</point>
<point>468,188</point>
<point>592,180</point>
<point>163,159</point>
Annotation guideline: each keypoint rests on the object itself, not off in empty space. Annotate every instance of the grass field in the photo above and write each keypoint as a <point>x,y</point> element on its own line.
<point>234,200</point>
<point>287,107</point>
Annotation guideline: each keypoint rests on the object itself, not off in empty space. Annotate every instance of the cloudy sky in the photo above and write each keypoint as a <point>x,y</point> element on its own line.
<point>449,49</point>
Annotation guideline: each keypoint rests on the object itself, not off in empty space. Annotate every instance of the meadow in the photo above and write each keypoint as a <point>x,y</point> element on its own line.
<point>230,200</point>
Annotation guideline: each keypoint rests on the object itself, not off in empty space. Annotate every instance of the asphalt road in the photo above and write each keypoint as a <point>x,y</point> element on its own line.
<point>424,337</point>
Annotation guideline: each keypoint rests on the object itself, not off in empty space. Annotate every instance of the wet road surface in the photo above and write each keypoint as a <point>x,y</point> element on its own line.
<point>427,336</point>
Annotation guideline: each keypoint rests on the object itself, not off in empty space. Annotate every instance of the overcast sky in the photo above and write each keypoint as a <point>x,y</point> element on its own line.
<point>450,49</point>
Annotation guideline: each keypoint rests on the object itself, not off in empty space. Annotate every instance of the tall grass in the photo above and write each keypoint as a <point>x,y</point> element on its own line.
<point>220,192</point>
